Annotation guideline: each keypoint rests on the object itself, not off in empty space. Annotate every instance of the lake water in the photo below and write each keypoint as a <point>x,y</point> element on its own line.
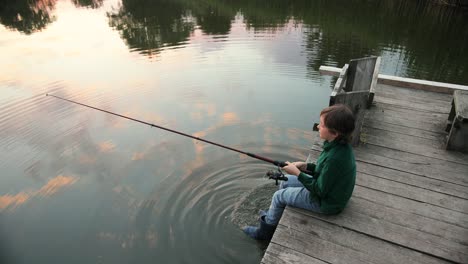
<point>81,186</point>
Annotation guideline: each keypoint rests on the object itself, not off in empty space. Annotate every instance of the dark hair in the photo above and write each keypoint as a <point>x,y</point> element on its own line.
<point>339,119</point>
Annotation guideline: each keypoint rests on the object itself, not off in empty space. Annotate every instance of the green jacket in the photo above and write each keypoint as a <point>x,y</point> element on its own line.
<point>333,177</point>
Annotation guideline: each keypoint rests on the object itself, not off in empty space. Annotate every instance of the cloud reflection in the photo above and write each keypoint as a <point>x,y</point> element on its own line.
<point>10,202</point>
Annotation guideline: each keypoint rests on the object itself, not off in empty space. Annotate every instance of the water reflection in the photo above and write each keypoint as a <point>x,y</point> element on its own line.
<point>12,201</point>
<point>27,16</point>
<point>135,194</point>
<point>88,3</point>
<point>336,31</point>
<point>147,26</point>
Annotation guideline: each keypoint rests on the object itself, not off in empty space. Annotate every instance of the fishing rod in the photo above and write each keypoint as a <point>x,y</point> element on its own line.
<point>274,162</point>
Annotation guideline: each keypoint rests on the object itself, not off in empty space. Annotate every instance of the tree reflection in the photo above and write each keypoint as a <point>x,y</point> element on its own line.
<point>147,25</point>
<point>88,3</point>
<point>26,16</point>
<point>215,19</point>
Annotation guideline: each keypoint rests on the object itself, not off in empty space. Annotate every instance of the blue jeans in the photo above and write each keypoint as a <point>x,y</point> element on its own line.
<point>291,193</point>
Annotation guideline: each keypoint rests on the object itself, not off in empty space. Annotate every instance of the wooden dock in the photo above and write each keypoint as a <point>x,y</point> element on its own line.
<point>410,203</point>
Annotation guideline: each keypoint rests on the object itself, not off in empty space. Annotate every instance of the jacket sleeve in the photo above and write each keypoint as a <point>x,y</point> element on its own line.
<point>311,167</point>
<point>324,183</point>
<point>307,180</point>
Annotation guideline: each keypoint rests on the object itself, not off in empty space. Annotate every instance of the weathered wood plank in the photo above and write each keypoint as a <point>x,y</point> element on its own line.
<point>415,145</point>
<point>433,185</point>
<point>408,219</point>
<point>442,230</point>
<point>398,234</point>
<point>335,244</point>
<point>373,86</point>
<point>394,118</point>
<point>417,191</point>
<point>411,159</point>
<point>360,73</point>
<point>412,106</point>
<point>410,163</point>
<point>409,114</point>
<point>437,87</point>
<point>414,180</point>
<point>279,254</point>
<point>423,209</point>
<point>458,136</point>
<point>340,83</point>
<point>417,95</point>
<point>413,192</point>
<point>403,129</point>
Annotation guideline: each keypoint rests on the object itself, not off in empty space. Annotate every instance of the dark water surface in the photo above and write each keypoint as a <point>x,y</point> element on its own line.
<point>80,186</point>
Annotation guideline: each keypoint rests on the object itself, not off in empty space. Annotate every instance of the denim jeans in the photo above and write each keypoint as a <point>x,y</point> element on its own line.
<point>291,193</point>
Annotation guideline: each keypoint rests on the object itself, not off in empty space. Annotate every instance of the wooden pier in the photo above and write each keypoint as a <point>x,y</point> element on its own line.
<point>410,203</point>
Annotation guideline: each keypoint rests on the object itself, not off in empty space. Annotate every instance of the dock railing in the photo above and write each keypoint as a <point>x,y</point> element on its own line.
<point>355,88</point>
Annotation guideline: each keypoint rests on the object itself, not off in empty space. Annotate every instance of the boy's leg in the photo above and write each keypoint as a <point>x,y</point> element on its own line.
<point>293,196</point>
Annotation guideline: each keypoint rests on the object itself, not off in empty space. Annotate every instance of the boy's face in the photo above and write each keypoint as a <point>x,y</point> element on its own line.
<point>324,132</point>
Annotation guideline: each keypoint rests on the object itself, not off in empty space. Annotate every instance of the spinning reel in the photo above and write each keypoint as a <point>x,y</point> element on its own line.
<point>276,175</point>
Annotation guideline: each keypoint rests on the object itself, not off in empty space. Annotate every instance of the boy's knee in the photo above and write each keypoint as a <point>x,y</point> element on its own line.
<point>283,185</point>
<point>277,197</point>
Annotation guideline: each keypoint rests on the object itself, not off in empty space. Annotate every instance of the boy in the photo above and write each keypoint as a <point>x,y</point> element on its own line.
<point>331,181</point>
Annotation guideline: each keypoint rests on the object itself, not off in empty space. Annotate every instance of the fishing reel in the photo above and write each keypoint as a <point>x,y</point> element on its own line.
<point>276,175</point>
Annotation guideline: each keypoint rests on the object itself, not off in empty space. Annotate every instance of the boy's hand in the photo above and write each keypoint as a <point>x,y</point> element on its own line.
<point>300,165</point>
<point>291,169</point>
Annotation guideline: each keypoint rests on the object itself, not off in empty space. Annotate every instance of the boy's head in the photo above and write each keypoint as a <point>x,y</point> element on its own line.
<point>336,123</point>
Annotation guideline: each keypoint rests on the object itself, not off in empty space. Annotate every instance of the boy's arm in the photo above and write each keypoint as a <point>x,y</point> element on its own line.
<point>308,181</point>
<point>311,167</point>
<point>321,185</point>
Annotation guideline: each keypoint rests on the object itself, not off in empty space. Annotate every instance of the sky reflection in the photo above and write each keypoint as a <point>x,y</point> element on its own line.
<point>76,182</point>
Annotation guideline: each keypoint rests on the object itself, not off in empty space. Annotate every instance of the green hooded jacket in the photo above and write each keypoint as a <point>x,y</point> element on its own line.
<point>333,177</point>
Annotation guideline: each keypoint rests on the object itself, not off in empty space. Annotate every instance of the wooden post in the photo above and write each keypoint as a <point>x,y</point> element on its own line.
<point>373,84</point>
<point>360,74</point>
<point>357,102</point>
<point>458,123</point>
<point>339,84</point>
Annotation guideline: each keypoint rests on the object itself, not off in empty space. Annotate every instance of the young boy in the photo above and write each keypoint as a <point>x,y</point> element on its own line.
<point>330,183</point>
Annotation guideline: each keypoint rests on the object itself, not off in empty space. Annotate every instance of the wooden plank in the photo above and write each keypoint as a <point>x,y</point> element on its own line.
<point>410,114</point>
<point>329,70</point>
<point>409,162</point>
<point>437,87</point>
<point>413,145</point>
<point>405,118</point>
<point>385,135</point>
<point>398,234</point>
<point>360,74</point>
<point>415,94</point>
<point>410,99</point>
<point>419,188</point>
<point>413,192</point>
<point>335,244</point>
<point>402,129</point>
<point>426,184</point>
<point>279,254</point>
<point>338,88</point>
<point>458,136</point>
<point>413,105</point>
<point>442,230</point>
<point>375,77</point>
<point>422,209</point>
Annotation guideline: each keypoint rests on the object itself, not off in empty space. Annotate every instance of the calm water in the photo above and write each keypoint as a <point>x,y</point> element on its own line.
<point>80,186</point>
